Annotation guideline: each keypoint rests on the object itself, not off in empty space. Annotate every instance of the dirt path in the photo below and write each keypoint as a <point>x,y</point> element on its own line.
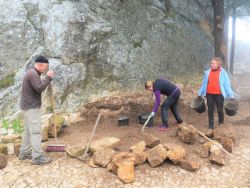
<point>66,172</point>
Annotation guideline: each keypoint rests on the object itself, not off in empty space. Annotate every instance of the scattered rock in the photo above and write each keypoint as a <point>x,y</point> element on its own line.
<point>175,153</point>
<point>140,146</point>
<point>11,138</point>
<point>122,158</point>
<point>227,143</point>
<point>3,149</point>
<point>202,140</point>
<point>205,149</point>
<point>216,155</point>
<point>187,134</point>
<point>225,131</point>
<point>91,164</point>
<point>17,147</point>
<point>209,133</point>
<point>190,165</point>
<point>75,151</point>
<point>141,157</point>
<point>102,157</point>
<point>45,133</point>
<point>106,142</point>
<point>157,155</point>
<point>57,120</point>
<point>126,172</point>
<point>151,140</point>
<point>3,161</point>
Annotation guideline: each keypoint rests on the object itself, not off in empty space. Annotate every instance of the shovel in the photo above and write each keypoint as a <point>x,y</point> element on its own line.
<point>145,124</point>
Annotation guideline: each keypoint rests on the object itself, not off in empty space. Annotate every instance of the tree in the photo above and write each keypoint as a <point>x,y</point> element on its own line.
<point>220,46</point>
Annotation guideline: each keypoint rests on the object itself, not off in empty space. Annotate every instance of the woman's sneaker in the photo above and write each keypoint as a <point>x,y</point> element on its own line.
<point>163,128</point>
<point>41,160</point>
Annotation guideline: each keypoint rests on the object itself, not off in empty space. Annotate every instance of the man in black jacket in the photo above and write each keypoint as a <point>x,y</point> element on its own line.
<point>30,104</point>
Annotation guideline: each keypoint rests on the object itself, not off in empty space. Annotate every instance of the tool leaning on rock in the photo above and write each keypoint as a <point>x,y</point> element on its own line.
<point>54,147</point>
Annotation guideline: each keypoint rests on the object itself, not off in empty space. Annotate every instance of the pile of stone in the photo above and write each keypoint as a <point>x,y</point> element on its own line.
<point>104,152</point>
<point>223,136</point>
<point>9,144</point>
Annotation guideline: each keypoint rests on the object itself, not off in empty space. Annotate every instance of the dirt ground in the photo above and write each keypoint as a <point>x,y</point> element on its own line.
<point>68,172</point>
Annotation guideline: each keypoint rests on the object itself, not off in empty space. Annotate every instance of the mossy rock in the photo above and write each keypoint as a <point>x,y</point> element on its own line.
<point>55,120</point>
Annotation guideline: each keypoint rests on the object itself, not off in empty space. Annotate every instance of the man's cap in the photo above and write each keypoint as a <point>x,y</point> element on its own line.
<point>41,59</point>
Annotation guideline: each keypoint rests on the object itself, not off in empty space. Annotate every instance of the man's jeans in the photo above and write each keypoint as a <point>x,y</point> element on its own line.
<point>32,135</point>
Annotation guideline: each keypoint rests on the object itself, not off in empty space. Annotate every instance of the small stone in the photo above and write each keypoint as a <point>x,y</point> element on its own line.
<point>17,147</point>
<point>57,120</point>
<point>190,165</point>
<point>216,155</point>
<point>157,155</point>
<point>106,142</point>
<point>140,146</point>
<point>10,138</point>
<point>3,161</point>
<point>187,134</point>
<point>227,143</point>
<point>3,149</point>
<point>45,133</point>
<point>126,172</point>
<point>225,131</point>
<point>75,151</point>
<point>151,140</point>
<point>176,154</point>
<point>92,164</point>
<point>122,158</point>
<point>102,157</point>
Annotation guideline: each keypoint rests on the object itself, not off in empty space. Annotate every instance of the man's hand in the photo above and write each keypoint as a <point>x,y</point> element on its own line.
<point>50,74</point>
<point>152,114</point>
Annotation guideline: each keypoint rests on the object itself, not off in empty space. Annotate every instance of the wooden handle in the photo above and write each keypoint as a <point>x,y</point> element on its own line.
<point>53,109</point>
<point>92,134</point>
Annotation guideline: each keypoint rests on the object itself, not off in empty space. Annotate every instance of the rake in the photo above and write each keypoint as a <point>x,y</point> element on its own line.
<point>54,147</point>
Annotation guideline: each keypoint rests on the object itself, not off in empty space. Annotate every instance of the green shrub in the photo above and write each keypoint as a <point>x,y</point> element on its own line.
<point>16,125</point>
<point>7,81</point>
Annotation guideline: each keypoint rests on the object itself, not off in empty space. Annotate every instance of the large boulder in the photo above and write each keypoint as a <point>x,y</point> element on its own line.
<point>105,142</point>
<point>102,157</point>
<point>3,161</point>
<point>93,43</point>
<point>151,140</point>
<point>157,155</point>
<point>187,134</point>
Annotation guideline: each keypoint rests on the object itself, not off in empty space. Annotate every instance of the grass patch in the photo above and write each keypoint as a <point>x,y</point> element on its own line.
<point>7,81</point>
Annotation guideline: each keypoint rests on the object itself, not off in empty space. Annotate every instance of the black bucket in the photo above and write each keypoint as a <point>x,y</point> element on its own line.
<point>198,105</point>
<point>123,121</point>
<point>142,118</point>
<point>231,106</point>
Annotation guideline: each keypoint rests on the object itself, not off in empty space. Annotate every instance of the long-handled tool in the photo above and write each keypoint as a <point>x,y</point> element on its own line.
<point>54,147</point>
<point>91,136</point>
<point>219,146</point>
<point>145,124</point>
